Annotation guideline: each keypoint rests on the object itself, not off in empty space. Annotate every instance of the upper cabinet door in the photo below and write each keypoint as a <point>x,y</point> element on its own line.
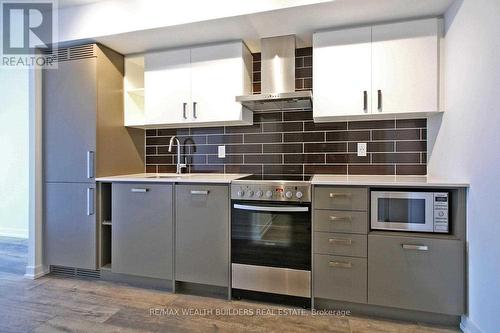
<point>342,73</point>
<point>405,67</point>
<point>167,86</point>
<point>69,120</point>
<point>218,76</point>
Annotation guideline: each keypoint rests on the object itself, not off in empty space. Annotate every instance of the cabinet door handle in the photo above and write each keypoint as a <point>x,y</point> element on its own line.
<point>90,201</point>
<point>415,247</point>
<point>194,110</point>
<point>340,264</point>
<point>139,190</point>
<point>194,192</point>
<point>365,100</point>
<point>90,164</point>
<point>184,106</point>
<point>337,195</point>
<point>341,218</point>
<point>379,100</point>
<point>340,241</point>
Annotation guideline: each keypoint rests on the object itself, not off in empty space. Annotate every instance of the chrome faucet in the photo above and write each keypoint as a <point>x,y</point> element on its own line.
<point>180,165</point>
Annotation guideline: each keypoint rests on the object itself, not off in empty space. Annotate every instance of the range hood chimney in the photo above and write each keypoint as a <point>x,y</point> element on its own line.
<point>277,78</point>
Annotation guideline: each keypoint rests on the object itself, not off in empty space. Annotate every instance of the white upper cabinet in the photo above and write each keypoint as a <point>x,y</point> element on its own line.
<point>219,73</point>
<point>341,73</point>
<point>167,89</point>
<point>196,86</point>
<point>405,66</point>
<point>383,71</point>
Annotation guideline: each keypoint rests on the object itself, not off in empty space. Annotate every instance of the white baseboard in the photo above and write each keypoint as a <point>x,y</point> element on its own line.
<point>14,232</point>
<point>467,326</point>
<point>33,272</point>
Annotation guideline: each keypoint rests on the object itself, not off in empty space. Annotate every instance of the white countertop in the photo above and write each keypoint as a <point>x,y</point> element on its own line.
<point>373,180</point>
<point>217,178</point>
<point>345,180</point>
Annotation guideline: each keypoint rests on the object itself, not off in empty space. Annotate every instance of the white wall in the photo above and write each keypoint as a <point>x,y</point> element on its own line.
<point>14,123</point>
<point>467,142</point>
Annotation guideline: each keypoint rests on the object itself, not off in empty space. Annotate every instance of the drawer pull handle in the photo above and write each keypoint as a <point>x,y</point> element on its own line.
<point>340,264</point>
<point>139,190</point>
<point>341,218</point>
<point>340,241</point>
<point>415,247</point>
<point>338,195</point>
<point>199,192</point>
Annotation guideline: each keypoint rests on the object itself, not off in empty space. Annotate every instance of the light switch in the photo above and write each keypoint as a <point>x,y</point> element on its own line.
<point>222,151</point>
<point>361,148</point>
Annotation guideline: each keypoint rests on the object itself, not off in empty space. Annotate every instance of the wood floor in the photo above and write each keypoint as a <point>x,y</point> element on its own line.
<point>56,304</point>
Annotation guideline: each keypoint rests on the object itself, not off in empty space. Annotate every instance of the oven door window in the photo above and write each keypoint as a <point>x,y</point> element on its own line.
<point>401,210</point>
<point>277,235</point>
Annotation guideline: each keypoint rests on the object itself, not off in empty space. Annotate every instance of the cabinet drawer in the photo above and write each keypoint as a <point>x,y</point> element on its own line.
<point>416,273</point>
<point>341,221</point>
<point>345,198</point>
<point>340,278</point>
<point>340,244</point>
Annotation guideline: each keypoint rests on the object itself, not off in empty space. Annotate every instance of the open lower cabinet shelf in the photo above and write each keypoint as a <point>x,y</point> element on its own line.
<point>105,225</point>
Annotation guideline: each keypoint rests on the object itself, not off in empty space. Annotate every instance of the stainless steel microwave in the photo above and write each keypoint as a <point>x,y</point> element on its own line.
<point>410,211</point>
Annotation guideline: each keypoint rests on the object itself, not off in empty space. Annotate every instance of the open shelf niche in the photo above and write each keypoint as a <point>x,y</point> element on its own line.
<point>134,90</point>
<point>105,224</point>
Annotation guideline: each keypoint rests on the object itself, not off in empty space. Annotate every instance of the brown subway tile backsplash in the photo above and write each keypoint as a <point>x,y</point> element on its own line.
<point>371,169</point>
<point>289,142</point>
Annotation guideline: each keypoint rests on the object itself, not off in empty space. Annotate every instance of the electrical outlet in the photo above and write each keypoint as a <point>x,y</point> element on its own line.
<point>222,151</point>
<point>361,148</point>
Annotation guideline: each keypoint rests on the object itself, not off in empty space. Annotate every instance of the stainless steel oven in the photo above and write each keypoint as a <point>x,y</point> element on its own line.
<point>410,211</point>
<point>271,238</point>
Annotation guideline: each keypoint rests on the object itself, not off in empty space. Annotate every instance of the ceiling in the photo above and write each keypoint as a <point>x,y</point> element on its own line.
<point>71,3</point>
<point>302,21</point>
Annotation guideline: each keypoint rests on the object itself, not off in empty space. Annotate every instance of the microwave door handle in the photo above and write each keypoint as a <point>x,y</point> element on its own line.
<point>272,208</point>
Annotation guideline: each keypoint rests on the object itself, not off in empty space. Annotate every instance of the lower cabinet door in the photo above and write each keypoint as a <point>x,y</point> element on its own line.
<point>202,234</point>
<point>70,225</point>
<point>416,273</point>
<point>142,230</point>
<point>340,278</point>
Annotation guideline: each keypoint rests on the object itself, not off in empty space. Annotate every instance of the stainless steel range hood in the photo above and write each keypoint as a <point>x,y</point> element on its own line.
<point>277,78</point>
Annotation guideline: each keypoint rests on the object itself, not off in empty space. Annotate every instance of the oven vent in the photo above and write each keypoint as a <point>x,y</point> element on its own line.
<point>72,53</point>
<point>75,272</point>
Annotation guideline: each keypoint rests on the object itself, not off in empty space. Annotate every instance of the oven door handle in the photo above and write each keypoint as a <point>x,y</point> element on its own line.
<point>272,209</point>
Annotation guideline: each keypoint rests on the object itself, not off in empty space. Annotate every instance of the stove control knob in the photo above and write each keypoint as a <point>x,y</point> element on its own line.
<point>250,193</point>
<point>289,194</point>
<point>269,194</point>
<point>241,193</point>
<point>298,195</point>
<point>258,194</point>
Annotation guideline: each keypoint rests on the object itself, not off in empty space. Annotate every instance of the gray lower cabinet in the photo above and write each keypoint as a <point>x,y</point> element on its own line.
<point>202,234</point>
<point>341,198</point>
<point>425,274</point>
<point>70,225</point>
<point>340,278</point>
<point>340,244</point>
<point>341,221</point>
<point>142,230</point>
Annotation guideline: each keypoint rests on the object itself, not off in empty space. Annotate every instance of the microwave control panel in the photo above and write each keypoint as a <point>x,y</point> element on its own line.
<point>441,209</point>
